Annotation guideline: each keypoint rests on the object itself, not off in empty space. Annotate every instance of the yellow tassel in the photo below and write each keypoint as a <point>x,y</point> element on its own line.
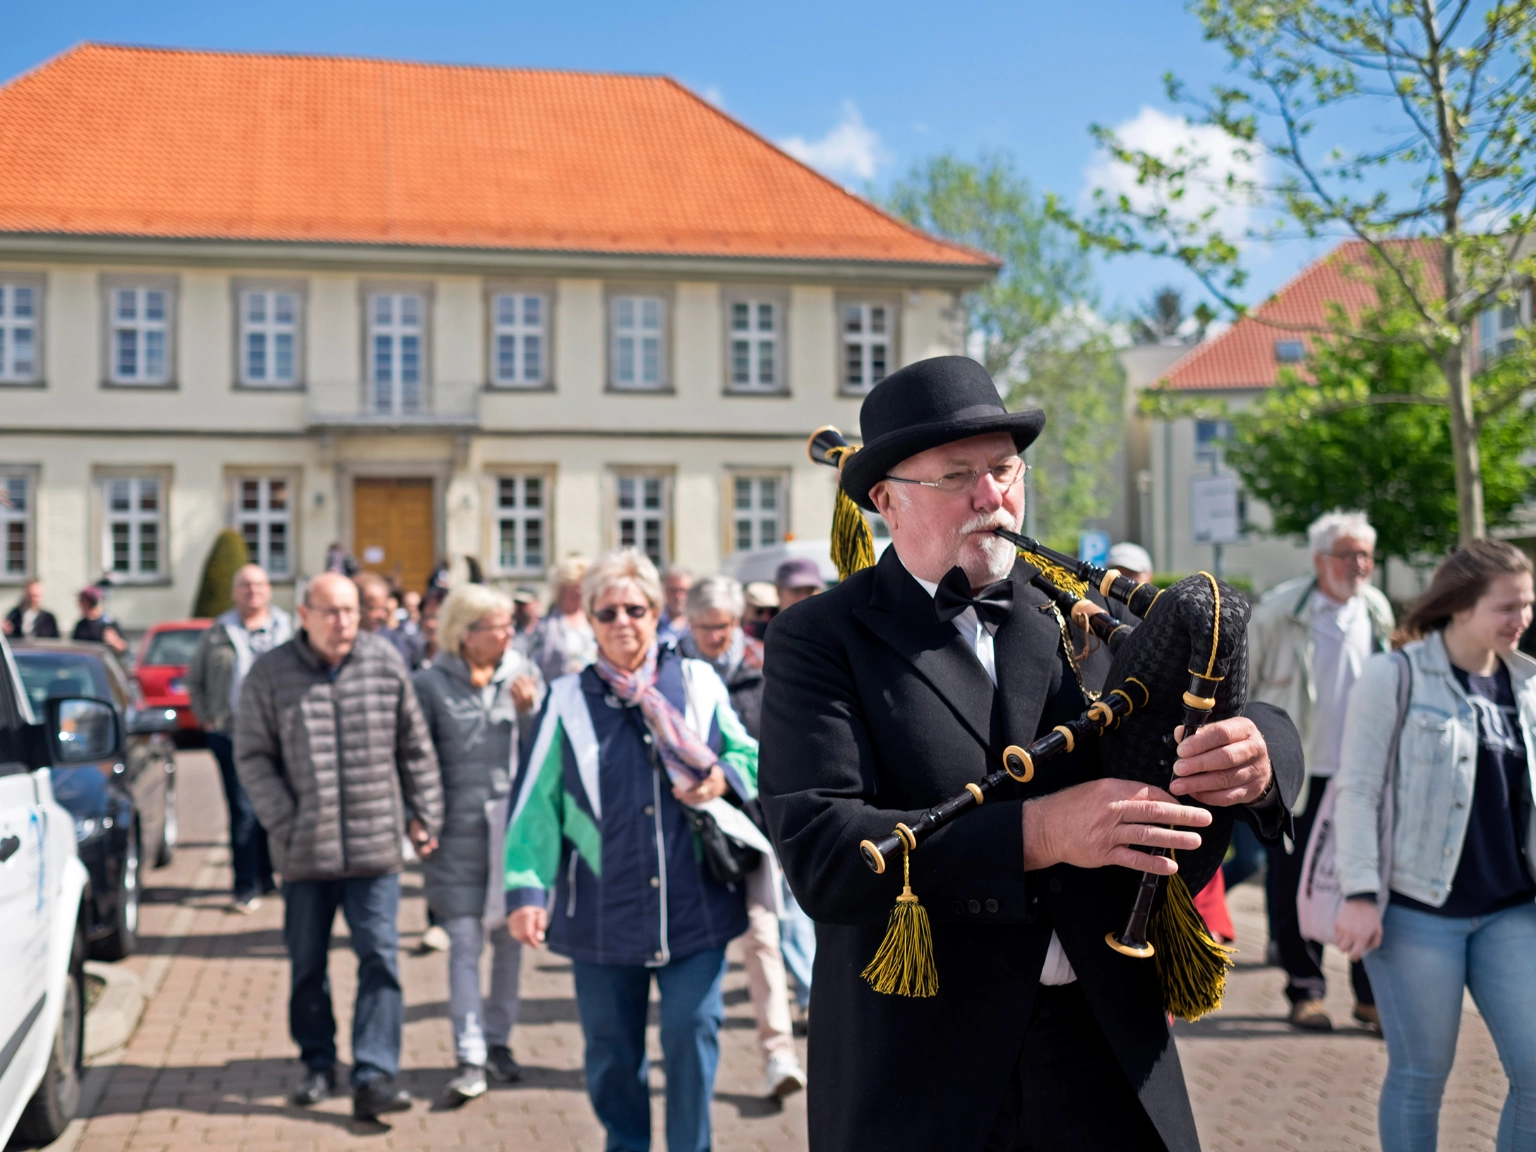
<point>853,545</point>
<point>1056,574</point>
<point>1191,965</point>
<point>904,964</point>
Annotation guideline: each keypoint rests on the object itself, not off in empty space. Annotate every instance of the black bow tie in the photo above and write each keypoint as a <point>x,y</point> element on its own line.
<point>993,604</point>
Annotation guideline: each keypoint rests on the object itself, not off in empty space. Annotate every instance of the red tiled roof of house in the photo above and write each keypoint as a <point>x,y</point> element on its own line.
<point>158,143</point>
<point>1244,355</point>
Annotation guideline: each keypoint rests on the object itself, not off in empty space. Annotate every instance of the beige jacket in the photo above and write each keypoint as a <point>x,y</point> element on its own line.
<point>1280,651</point>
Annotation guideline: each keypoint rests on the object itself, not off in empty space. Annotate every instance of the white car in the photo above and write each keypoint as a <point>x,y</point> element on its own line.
<point>42,885</point>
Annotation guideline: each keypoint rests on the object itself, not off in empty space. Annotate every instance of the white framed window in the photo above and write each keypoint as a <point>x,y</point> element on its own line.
<point>396,352</point>
<point>1499,327</point>
<point>759,509</point>
<point>755,345</point>
<point>16,496</point>
<point>638,349</point>
<point>522,523</point>
<point>19,306</point>
<point>269,337</point>
<point>868,343</point>
<point>263,515</point>
<point>140,345</point>
<point>643,513</point>
<point>133,537</point>
<point>519,339</point>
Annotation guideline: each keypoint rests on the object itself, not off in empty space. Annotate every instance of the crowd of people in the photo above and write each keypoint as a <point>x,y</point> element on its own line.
<point>29,619</point>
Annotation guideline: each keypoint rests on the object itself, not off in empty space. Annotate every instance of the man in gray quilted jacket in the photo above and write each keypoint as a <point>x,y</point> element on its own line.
<point>332,749</point>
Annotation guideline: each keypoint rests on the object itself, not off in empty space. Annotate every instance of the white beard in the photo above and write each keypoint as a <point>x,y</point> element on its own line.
<point>997,555</point>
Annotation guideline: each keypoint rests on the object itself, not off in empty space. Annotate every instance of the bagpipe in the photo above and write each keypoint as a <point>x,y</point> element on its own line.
<point>1186,663</point>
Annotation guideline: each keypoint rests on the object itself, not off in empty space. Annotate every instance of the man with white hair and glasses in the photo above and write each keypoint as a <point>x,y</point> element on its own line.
<point>1307,642</point>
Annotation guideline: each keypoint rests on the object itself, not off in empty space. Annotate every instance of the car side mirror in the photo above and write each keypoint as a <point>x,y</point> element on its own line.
<point>81,730</point>
<point>145,721</point>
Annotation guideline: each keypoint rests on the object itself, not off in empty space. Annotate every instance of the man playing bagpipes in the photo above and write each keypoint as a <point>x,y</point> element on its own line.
<point>1013,1026</point>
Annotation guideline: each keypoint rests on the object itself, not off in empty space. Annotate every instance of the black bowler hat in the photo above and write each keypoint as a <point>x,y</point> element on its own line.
<point>926,404</point>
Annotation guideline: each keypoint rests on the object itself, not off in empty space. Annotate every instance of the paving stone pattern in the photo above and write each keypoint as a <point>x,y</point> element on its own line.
<point>211,1062</point>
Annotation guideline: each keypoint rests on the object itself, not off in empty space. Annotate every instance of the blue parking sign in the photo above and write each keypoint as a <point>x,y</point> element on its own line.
<point>1093,548</point>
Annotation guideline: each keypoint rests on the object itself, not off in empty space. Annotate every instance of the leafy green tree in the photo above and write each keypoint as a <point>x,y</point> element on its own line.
<point>1340,434</point>
<point>1034,329</point>
<point>227,556</point>
<point>1391,120</point>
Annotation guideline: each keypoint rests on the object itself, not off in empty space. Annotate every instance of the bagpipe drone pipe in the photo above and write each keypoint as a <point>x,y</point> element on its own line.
<point>1185,664</point>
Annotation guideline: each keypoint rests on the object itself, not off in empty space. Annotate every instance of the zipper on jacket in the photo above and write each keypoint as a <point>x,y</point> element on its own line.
<point>570,884</point>
<point>341,776</point>
<point>661,861</point>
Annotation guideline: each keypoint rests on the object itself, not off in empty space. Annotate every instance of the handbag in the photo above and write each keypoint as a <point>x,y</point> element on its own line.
<point>729,862</point>
<point>1319,897</point>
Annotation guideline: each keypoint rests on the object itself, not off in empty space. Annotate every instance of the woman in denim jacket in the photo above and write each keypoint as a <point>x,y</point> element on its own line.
<point>1459,906</point>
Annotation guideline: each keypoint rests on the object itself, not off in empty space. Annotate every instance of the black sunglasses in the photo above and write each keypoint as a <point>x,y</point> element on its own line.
<point>609,615</point>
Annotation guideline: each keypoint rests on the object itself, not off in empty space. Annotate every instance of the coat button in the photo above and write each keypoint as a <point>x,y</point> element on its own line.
<point>974,906</point>
<point>1054,885</point>
<point>657,954</point>
<point>655,882</point>
<point>647,737</point>
<point>650,810</point>
<point>991,905</point>
<point>959,907</point>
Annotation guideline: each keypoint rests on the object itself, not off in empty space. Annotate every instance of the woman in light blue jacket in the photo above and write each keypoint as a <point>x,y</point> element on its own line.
<point>1458,907</point>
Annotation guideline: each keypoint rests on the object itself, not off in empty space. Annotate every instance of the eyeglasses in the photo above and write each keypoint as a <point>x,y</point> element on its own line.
<point>1004,475</point>
<point>609,615</point>
<point>1356,557</point>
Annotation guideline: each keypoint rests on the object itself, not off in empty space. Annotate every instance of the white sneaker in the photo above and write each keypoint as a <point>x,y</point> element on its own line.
<point>785,1076</point>
<point>435,939</point>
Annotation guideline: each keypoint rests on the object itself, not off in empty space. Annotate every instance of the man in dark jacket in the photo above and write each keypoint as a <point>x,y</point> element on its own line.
<point>331,747</point>
<point>893,691</point>
<point>29,617</point>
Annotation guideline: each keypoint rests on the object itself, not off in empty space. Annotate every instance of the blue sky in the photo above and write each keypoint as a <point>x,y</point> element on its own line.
<point>862,89</point>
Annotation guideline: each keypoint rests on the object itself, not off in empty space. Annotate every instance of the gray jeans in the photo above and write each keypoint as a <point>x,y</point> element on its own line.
<point>481,1022</point>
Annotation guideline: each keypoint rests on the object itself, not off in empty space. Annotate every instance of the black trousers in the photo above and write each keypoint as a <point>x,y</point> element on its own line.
<point>1068,1092</point>
<point>1302,959</point>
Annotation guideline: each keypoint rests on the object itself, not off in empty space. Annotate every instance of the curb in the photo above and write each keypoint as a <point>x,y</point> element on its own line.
<point>114,1016</point>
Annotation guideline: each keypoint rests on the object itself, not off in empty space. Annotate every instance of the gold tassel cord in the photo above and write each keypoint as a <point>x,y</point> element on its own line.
<point>1192,966</point>
<point>904,964</point>
<point>853,544</point>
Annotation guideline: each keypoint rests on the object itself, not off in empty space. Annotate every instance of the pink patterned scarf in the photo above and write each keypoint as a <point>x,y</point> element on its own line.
<point>687,758</point>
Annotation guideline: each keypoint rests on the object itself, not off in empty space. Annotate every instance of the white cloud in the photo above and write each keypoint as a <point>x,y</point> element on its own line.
<point>852,149</point>
<point>1210,153</point>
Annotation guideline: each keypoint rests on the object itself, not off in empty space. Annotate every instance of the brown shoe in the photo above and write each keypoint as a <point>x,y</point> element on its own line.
<point>1310,1016</point>
<point>1368,1017</point>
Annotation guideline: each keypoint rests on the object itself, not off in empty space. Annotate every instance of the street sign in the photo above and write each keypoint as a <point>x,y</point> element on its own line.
<point>1093,547</point>
<point>1213,510</point>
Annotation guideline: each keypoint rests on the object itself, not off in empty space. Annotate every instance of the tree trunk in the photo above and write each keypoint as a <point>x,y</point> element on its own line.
<point>1469,472</point>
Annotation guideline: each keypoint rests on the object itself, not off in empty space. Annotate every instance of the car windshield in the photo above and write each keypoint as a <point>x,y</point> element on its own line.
<point>174,646</point>
<point>50,675</point>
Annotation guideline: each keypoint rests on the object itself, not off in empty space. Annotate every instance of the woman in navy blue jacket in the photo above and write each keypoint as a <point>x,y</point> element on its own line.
<point>603,865</point>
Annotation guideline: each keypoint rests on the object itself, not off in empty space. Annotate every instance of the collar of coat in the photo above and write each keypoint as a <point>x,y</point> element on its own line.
<point>900,612</point>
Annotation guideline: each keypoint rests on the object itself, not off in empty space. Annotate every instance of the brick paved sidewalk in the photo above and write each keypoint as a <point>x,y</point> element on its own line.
<point>211,1062</point>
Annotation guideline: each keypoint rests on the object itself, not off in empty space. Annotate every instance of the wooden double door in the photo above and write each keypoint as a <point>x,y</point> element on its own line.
<point>394,528</point>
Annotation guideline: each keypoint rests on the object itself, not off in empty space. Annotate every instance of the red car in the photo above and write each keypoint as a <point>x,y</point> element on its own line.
<point>161,667</point>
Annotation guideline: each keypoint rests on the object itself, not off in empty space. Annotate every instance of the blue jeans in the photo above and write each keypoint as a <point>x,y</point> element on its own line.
<point>1418,973</point>
<point>370,906</point>
<point>797,940</point>
<point>247,838</point>
<point>612,1000</point>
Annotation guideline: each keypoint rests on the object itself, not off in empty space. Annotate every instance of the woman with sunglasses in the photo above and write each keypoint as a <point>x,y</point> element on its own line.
<point>603,863</point>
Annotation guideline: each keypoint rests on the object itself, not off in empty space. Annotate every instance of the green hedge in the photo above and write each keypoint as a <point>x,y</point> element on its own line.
<point>227,557</point>
<point>1243,584</point>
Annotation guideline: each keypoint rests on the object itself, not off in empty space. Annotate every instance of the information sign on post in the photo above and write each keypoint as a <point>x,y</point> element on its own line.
<point>1213,510</point>
<point>1093,547</point>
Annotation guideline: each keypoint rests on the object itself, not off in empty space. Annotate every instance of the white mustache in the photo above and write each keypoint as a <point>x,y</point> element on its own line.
<point>997,519</point>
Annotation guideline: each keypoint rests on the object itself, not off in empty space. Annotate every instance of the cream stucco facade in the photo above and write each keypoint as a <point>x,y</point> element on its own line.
<point>70,432</point>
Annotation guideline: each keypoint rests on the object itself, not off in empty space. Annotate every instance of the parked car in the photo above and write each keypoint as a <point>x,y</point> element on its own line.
<point>161,667</point>
<point>124,803</point>
<point>44,891</point>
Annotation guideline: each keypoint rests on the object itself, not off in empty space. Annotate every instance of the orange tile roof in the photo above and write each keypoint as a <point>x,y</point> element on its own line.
<point>140,142</point>
<point>1244,355</point>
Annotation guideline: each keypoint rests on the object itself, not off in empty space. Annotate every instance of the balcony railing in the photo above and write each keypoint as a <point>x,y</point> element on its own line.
<point>447,404</point>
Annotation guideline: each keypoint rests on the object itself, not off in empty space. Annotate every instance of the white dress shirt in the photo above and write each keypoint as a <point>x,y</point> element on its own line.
<point>1056,969</point>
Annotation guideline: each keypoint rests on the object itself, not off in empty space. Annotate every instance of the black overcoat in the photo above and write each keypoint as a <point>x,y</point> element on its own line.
<point>873,711</point>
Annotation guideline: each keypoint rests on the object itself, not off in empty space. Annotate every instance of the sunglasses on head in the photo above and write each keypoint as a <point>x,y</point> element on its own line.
<point>609,615</point>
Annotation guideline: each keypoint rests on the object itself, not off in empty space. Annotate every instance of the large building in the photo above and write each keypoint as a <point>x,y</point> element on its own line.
<point>422,312</point>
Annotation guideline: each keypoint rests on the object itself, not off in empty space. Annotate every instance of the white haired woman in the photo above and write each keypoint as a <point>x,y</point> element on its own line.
<point>605,860</point>
<point>476,695</point>
<point>563,641</point>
